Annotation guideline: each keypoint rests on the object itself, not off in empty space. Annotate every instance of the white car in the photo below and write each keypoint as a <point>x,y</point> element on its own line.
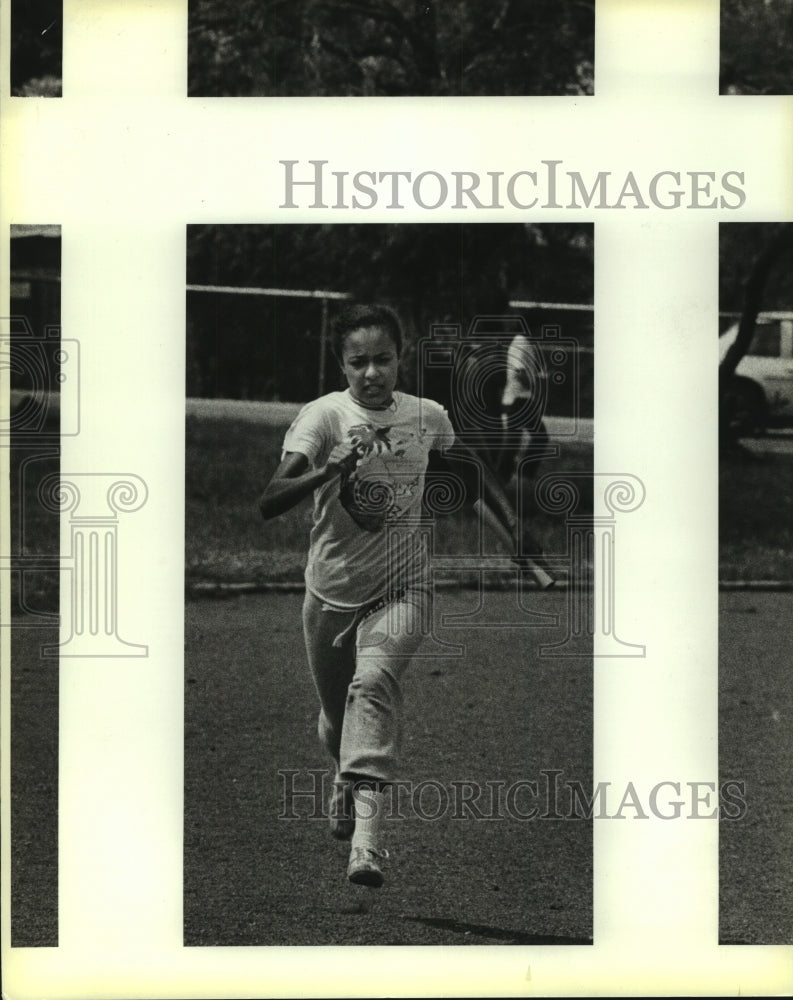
<point>761,394</point>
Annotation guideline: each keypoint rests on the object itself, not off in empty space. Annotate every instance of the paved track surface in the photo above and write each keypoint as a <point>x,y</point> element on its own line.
<point>497,713</point>
<point>494,714</point>
<point>756,747</point>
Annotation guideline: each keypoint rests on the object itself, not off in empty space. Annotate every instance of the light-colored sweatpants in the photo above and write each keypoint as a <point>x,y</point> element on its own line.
<point>359,681</point>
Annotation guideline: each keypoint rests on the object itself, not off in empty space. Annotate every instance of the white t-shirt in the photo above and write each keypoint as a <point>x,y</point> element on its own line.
<point>364,540</point>
<point>525,367</point>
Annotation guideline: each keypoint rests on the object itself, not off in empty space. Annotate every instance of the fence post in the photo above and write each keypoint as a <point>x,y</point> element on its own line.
<point>323,345</point>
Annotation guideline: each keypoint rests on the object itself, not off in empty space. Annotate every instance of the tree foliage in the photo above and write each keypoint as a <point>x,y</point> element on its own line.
<point>740,245</point>
<point>36,47</point>
<point>778,243</point>
<point>756,45</point>
<point>432,272</point>
<point>390,47</point>
<point>751,271</point>
<point>268,347</point>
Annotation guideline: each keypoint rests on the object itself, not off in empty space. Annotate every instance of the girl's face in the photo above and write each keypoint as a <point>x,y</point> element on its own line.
<point>370,364</point>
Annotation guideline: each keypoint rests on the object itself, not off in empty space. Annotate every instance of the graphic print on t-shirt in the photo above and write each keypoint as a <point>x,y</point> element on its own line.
<point>368,439</point>
<point>377,491</point>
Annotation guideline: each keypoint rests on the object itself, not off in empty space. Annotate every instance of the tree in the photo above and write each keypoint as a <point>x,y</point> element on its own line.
<point>778,243</point>
<point>430,273</point>
<point>390,47</point>
<point>756,41</point>
<point>36,47</point>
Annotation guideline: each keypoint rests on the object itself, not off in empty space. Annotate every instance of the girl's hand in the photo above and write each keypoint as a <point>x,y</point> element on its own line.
<point>342,460</point>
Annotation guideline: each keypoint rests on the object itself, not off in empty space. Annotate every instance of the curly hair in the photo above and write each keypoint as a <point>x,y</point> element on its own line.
<point>358,317</point>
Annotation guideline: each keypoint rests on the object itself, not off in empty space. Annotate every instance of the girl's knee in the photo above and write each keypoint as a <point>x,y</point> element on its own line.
<point>378,673</point>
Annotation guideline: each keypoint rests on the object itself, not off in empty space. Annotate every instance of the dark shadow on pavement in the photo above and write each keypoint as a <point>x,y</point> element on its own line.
<point>496,933</point>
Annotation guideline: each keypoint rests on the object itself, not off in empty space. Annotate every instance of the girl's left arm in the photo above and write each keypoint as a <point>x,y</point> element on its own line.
<point>498,513</point>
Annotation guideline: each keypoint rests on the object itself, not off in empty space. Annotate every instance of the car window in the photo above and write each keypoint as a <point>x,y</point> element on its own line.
<point>766,341</point>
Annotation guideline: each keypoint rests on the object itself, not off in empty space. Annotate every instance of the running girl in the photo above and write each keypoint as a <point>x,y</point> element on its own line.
<point>363,453</point>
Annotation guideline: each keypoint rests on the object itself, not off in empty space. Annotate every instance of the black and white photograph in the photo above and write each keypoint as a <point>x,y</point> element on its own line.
<point>395,551</point>
<point>446,610</point>
<point>756,37</point>
<point>391,48</point>
<point>36,56</point>
<point>38,364</point>
<point>756,577</point>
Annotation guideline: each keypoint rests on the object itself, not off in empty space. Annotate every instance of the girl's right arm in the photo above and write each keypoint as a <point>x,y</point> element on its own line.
<point>293,480</point>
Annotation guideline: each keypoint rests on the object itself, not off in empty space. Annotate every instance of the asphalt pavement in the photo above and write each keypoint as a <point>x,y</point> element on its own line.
<point>497,714</point>
<point>756,748</point>
<point>457,876</point>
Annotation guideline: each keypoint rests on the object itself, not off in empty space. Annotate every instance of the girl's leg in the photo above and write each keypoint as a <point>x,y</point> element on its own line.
<point>371,737</point>
<point>386,642</point>
<point>331,667</point>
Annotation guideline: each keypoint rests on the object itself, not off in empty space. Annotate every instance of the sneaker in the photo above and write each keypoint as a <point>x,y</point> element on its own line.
<point>364,867</point>
<point>341,810</point>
